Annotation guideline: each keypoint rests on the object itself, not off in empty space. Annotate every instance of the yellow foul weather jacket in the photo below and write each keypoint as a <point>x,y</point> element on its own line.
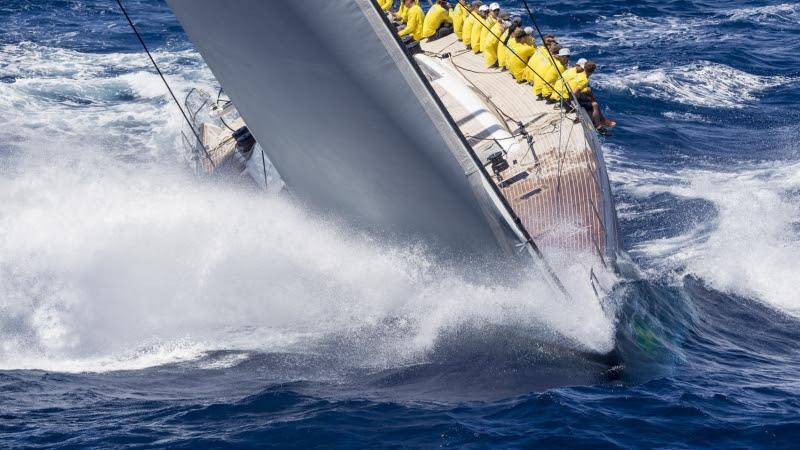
<point>576,82</point>
<point>386,5</point>
<point>551,75</point>
<point>433,20</point>
<point>458,14</point>
<point>414,19</point>
<point>402,12</point>
<point>466,30</point>
<point>517,67</point>
<point>512,44</point>
<point>477,28</point>
<point>502,50</point>
<point>490,45</point>
<point>540,65</point>
<point>485,31</point>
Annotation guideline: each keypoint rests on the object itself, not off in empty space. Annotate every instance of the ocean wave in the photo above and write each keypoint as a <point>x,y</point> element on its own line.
<point>751,248</point>
<point>60,96</point>
<point>631,30</point>
<point>702,83</point>
<point>781,14</point>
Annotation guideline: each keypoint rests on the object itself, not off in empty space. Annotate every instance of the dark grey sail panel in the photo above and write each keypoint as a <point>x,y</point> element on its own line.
<point>345,118</point>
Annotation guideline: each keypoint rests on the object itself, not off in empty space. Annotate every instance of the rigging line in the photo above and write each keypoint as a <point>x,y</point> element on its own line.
<point>541,36</point>
<point>264,166</point>
<point>222,119</point>
<point>475,138</point>
<point>160,74</point>
<point>560,74</point>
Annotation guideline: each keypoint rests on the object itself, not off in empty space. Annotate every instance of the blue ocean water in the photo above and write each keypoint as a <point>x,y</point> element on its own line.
<point>139,307</point>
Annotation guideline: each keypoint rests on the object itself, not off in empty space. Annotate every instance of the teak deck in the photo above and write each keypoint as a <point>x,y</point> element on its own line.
<point>561,202</point>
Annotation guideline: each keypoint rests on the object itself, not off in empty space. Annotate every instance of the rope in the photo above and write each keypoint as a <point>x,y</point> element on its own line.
<point>161,74</point>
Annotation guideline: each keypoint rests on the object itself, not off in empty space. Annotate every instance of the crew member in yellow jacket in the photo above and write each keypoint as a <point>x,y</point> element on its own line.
<point>540,66</point>
<point>520,53</point>
<point>553,72</point>
<point>402,11</point>
<point>491,20</point>
<point>579,85</point>
<point>505,42</point>
<point>414,20</point>
<point>457,15</point>
<point>538,60</point>
<point>491,45</point>
<point>574,77</point>
<point>469,19</point>
<point>386,5</point>
<point>480,23</point>
<point>501,49</point>
<point>437,21</point>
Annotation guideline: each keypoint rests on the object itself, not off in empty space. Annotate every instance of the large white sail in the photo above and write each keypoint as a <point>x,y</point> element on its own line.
<point>346,119</point>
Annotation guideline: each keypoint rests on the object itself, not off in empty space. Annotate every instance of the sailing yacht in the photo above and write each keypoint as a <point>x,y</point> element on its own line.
<point>431,148</point>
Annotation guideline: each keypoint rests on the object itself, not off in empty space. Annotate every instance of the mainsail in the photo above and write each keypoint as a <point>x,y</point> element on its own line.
<point>347,120</point>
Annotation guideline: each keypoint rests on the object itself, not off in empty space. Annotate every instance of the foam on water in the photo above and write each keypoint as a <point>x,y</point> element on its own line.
<point>61,96</point>
<point>784,13</point>
<point>701,83</point>
<point>751,248</point>
<point>98,258</point>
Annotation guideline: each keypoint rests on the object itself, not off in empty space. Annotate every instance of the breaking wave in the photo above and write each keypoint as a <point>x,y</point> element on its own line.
<point>750,247</point>
<point>107,265</point>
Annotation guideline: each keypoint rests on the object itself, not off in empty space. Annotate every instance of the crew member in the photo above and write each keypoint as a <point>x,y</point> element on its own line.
<point>386,5</point>
<point>553,72</point>
<point>402,11</point>
<point>458,14</point>
<point>579,84</point>
<point>414,20</point>
<point>505,41</point>
<point>478,26</point>
<point>491,45</point>
<point>520,53</point>
<point>491,21</point>
<point>539,62</point>
<point>437,23</point>
<point>561,90</point>
<point>469,20</point>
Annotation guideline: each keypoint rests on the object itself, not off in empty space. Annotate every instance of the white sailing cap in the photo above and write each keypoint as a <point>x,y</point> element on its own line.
<point>581,62</point>
<point>483,8</point>
<point>494,6</point>
<point>564,52</point>
<point>529,30</point>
